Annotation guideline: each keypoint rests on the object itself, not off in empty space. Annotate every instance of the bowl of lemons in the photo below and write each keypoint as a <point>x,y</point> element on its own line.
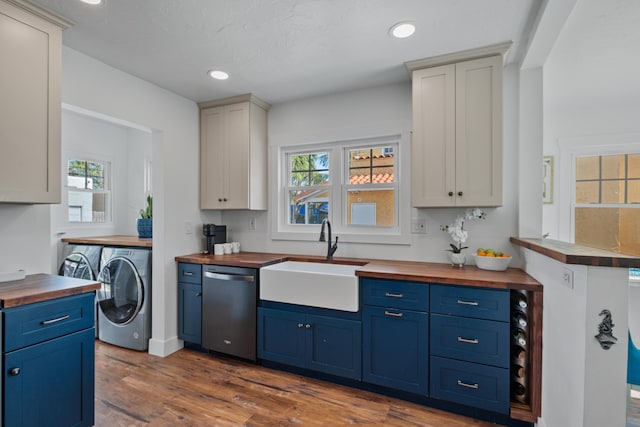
<point>488,259</point>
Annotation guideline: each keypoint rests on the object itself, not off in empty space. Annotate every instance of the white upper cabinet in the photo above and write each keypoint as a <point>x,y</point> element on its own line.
<point>233,154</point>
<point>30,103</point>
<point>456,147</point>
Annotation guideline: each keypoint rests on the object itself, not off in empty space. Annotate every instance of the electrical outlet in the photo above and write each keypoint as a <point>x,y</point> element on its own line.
<point>252,224</point>
<point>567,278</point>
<point>188,227</point>
<point>419,226</point>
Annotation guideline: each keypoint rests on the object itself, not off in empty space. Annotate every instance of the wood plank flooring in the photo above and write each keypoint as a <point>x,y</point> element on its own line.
<point>190,388</point>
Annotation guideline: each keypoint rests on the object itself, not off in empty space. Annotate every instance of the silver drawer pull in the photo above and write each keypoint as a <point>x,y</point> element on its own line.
<point>187,273</point>
<point>462,302</point>
<point>59,319</point>
<point>199,294</point>
<point>467,385</point>
<point>388,313</point>
<point>468,341</point>
<point>389,294</point>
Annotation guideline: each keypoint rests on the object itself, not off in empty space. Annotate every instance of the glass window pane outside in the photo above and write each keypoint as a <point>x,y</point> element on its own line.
<point>587,192</point>
<point>588,168</point>
<point>371,165</point>
<point>613,229</point>
<point>308,206</point>
<point>371,207</point>
<point>633,166</point>
<point>309,169</point>
<point>633,191</point>
<point>612,192</point>
<point>86,206</point>
<point>613,167</point>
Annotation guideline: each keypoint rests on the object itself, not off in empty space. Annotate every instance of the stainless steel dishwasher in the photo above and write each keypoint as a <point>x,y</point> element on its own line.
<point>229,310</point>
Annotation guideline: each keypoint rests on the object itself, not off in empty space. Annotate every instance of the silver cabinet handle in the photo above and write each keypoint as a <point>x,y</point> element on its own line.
<point>467,385</point>
<point>389,313</point>
<point>199,294</point>
<point>14,372</point>
<point>300,325</point>
<point>468,341</point>
<point>462,302</point>
<point>187,273</point>
<point>56,320</point>
<point>308,326</point>
<point>237,277</point>
<point>389,294</point>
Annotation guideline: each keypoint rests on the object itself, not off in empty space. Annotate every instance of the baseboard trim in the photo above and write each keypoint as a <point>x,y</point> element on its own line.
<point>163,348</point>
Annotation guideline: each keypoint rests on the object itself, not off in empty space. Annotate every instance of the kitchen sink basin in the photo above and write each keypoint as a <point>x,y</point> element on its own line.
<point>313,284</point>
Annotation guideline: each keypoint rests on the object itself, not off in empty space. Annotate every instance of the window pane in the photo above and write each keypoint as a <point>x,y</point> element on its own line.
<point>587,192</point>
<point>308,206</point>
<point>587,168</point>
<point>371,207</point>
<point>371,165</point>
<point>309,169</point>
<point>633,166</point>
<point>613,167</point>
<point>612,192</point>
<point>85,206</point>
<point>633,191</point>
<point>613,229</point>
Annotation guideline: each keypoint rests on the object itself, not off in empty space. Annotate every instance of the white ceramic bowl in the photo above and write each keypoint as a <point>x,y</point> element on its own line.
<point>491,263</point>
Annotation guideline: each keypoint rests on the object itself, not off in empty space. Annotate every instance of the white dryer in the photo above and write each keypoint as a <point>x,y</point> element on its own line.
<point>124,301</point>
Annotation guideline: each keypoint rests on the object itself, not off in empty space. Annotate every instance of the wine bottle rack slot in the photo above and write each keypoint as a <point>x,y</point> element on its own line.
<point>520,346</point>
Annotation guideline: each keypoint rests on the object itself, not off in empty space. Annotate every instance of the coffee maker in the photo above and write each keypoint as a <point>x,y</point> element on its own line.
<point>214,234</point>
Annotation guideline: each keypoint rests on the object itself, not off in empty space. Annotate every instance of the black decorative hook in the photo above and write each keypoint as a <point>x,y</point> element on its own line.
<point>605,331</point>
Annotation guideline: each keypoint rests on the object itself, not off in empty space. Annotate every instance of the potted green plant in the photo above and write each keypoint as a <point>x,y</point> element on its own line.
<point>145,222</point>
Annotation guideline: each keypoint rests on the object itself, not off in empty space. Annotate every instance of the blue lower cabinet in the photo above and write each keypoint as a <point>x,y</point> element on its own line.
<point>320,343</point>
<point>395,348</point>
<point>471,384</point>
<point>51,383</point>
<point>190,312</point>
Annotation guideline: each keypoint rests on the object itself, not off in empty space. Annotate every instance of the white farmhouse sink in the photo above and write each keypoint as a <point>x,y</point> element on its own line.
<point>313,284</point>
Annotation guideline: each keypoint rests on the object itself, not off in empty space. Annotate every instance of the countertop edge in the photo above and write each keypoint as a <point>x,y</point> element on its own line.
<point>569,253</point>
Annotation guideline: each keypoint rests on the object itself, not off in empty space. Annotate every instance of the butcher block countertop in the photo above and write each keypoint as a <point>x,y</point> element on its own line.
<point>512,278</point>
<point>42,287</point>
<point>117,240</point>
<point>569,253</point>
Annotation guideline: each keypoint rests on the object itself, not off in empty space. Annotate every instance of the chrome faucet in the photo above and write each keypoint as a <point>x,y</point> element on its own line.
<point>330,249</point>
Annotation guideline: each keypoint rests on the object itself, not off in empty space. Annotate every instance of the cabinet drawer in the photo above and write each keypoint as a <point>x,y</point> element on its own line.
<point>395,293</point>
<point>470,384</point>
<point>492,304</point>
<point>473,340</point>
<point>189,273</point>
<point>42,321</point>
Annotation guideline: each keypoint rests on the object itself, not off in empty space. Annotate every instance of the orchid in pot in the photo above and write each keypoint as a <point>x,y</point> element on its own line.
<point>459,235</point>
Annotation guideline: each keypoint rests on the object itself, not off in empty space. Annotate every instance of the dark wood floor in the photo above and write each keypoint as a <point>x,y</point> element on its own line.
<point>190,388</point>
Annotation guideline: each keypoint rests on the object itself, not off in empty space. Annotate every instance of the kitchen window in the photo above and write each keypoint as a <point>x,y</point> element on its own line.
<point>354,184</point>
<point>88,191</point>
<point>607,198</point>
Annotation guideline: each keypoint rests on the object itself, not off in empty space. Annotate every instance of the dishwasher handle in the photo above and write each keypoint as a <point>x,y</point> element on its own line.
<point>237,277</point>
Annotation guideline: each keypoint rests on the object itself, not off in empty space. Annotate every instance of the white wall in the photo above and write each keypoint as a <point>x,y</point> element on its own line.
<point>94,86</point>
<point>591,89</point>
<point>373,112</point>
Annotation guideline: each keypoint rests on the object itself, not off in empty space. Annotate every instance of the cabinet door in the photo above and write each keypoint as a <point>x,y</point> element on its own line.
<point>281,336</point>
<point>212,157</point>
<point>479,132</point>
<point>236,179</point>
<point>51,383</point>
<point>433,140</point>
<point>190,312</point>
<point>395,345</point>
<point>334,346</point>
<point>30,107</point>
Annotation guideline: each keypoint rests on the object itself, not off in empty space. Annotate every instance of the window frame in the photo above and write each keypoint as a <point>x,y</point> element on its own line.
<point>107,177</point>
<point>338,178</point>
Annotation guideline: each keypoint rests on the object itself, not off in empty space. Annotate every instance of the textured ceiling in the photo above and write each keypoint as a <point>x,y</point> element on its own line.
<point>283,49</point>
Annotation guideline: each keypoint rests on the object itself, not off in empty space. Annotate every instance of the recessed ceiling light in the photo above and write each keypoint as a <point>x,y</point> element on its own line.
<point>402,30</point>
<point>93,2</point>
<point>219,75</point>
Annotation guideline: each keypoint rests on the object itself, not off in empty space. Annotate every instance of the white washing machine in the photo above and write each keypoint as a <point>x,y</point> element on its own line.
<point>124,301</point>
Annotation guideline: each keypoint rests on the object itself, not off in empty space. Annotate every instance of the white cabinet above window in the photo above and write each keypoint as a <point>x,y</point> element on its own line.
<point>233,153</point>
<point>456,148</point>
<point>30,103</point>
